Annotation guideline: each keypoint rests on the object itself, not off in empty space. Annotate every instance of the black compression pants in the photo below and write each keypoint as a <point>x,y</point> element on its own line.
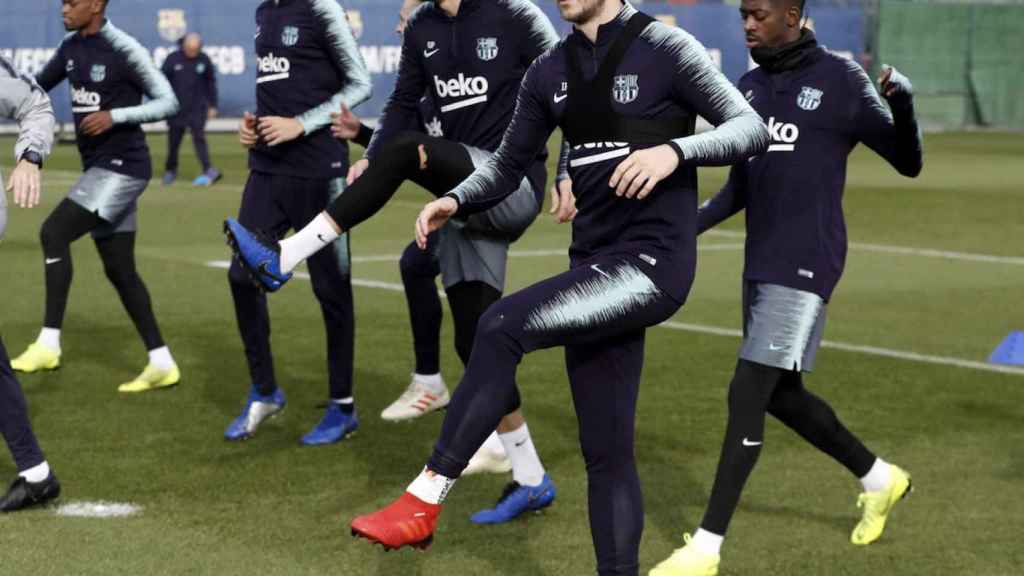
<point>69,222</point>
<point>755,390</point>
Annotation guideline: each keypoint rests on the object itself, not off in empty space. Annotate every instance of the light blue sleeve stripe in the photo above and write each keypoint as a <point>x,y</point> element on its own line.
<point>345,53</point>
<point>162,102</point>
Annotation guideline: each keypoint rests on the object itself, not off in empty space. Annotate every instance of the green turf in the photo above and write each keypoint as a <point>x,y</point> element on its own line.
<point>268,506</point>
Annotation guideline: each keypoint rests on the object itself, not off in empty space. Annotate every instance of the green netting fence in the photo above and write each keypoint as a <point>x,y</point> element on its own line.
<point>966,60</point>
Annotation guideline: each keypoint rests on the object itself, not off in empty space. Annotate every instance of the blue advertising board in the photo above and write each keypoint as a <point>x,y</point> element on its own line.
<point>30,31</point>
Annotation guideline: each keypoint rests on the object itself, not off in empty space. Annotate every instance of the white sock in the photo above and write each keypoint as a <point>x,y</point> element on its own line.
<point>347,400</point>
<point>707,541</point>
<point>37,473</point>
<point>526,467</point>
<point>306,242</point>
<point>432,382</point>
<point>430,487</point>
<point>877,479</point>
<point>494,446</point>
<point>50,337</point>
<point>161,358</point>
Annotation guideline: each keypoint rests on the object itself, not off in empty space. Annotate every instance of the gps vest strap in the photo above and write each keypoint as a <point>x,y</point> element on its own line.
<point>590,116</point>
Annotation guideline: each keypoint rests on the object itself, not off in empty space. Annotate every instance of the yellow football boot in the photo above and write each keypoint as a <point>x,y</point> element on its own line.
<point>152,378</point>
<point>37,358</point>
<point>878,505</point>
<point>687,561</point>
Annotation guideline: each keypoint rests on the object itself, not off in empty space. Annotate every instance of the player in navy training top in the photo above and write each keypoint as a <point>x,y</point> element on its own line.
<point>194,78</point>
<point>626,89</point>
<point>308,66</point>
<point>818,107</point>
<point>487,45</point>
<point>22,100</point>
<point>109,73</point>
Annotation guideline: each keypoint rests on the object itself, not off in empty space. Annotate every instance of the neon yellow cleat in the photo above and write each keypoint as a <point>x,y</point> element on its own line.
<point>152,378</point>
<point>37,358</point>
<point>687,561</point>
<point>878,505</point>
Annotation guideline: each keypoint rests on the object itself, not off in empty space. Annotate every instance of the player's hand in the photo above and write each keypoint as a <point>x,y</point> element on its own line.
<point>277,130</point>
<point>893,84</point>
<point>356,170</point>
<point>97,123</point>
<point>247,136</point>
<point>563,202</point>
<point>345,125</point>
<point>641,171</point>
<point>433,217</point>
<point>211,113</point>
<point>24,182</point>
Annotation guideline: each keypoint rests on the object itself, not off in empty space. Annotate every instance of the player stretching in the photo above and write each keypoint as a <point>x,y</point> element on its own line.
<point>25,102</point>
<point>818,107</point>
<point>308,67</point>
<point>485,47</point>
<point>626,90</point>
<point>109,73</point>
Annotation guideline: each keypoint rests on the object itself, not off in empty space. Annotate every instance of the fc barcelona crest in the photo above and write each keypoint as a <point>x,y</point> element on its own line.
<point>98,73</point>
<point>290,36</point>
<point>626,88</point>
<point>809,98</point>
<point>487,48</point>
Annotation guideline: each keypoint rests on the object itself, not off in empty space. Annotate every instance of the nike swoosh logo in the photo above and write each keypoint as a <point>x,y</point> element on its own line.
<point>560,98</point>
<point>749,443</point>
<point>320,237</point>
<point>429,53</point>
<point>419,514</point>
<point>599,271</point>
<point>52,260</point>
<point>775,348</point>
<point>518,444</point>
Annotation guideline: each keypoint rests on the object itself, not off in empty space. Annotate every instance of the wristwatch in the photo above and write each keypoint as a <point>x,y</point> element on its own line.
<point>33,157</point>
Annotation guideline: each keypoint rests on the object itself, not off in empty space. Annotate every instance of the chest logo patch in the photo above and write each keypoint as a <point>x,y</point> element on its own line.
<point>290,36</point>
<point>809,98</point>
<point>200,68</point>
<point>98,73</point>
<point>625,88</point>
<point>749,95</point>
<point>69,66</point>
<point>487,48</point>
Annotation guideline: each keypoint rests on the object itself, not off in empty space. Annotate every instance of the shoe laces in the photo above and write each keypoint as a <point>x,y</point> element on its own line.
<point>508,491</point>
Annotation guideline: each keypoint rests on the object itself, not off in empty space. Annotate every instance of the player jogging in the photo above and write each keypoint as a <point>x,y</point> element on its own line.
<point>818,107</point>
<point>488,45</point>
<point>632,262</point>
<point>308,66</point>
<point>24,101</point>
<point>109,72</point>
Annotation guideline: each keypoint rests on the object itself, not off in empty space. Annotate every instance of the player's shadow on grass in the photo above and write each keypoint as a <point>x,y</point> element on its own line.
<point>840,523</point>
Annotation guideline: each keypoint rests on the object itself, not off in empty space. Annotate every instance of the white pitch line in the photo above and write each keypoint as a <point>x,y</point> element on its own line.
<point>908,251</point>
<point>732,332</point>
<point>543,253</point>
<point>101,509</point>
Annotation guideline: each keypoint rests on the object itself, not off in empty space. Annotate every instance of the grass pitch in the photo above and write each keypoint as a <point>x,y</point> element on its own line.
<point>269,506</point>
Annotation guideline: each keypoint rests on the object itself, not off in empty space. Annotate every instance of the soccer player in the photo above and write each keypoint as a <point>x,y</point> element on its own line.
<point>626,90</point>
<point>192,74</point>
<point>24,101</point>
<point>109,73</point>
<point>818,107</point>
<point>308,67</point>
<point>471,256</point>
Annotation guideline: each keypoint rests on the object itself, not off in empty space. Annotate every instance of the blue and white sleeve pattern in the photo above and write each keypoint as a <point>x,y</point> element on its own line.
<point>162,102</point>
<point>345,53</point>
<point>739,131</point>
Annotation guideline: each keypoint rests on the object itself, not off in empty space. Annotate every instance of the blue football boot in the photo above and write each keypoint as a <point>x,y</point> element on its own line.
<point>517,499</point>
<point>333,427</point>
<point>257,409</point>
<point>259,255</point>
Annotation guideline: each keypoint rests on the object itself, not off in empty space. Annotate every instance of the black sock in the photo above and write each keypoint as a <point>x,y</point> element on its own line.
<point>68,222</point>
<point>749,393</point>
<point>419,270</point>
<point>118,254</point>
<point>346,408</point>
<point>815,421</point>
